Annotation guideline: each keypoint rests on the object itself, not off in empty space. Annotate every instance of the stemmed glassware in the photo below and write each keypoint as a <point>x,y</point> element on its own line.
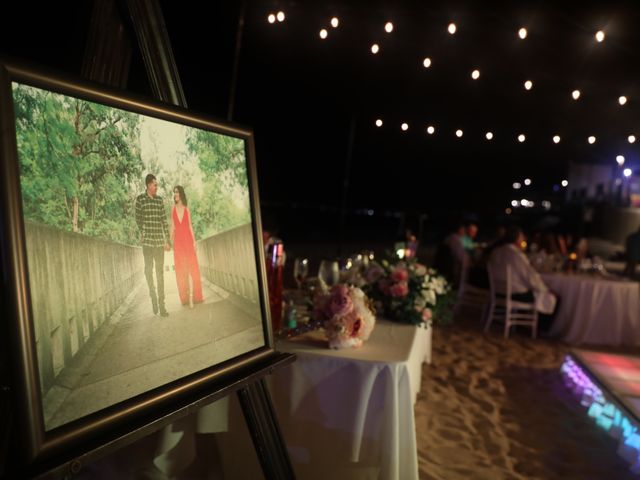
<point>300,270</point>
<point>329,272</point>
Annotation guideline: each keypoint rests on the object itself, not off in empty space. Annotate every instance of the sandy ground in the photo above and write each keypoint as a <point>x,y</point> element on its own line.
<point>497,409</point>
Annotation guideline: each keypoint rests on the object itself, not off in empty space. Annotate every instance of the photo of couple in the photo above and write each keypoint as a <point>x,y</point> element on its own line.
<point>156,238</point>
<point>140,245</point>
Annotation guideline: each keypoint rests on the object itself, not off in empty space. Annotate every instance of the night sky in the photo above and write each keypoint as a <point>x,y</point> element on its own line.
<point>308,100</point>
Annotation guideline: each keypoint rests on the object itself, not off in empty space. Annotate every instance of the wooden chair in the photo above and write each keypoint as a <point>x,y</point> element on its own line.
<point>503,307</point>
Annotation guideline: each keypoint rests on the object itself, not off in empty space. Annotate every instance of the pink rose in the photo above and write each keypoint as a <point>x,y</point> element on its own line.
<point>426,314</point>
<point>400,289</point>
<point>340,303</point>
<point>420,269</point>
<point>400,274</point>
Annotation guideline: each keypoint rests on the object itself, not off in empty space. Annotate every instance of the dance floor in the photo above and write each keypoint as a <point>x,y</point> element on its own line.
<point>609,386</point>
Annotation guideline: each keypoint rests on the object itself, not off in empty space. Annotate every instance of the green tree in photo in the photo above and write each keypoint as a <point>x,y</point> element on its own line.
<point>222,164</point>
<point>218,154</point>
<point>79,163</point>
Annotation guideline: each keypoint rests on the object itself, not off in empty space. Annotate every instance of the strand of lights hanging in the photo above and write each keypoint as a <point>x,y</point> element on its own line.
<point>452,29</point>
<point>489,135</point>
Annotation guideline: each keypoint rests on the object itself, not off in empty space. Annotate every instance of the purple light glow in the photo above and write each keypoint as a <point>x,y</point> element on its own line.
<point>606,413</point>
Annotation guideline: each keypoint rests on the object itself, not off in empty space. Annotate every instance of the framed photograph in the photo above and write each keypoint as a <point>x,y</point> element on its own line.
<point>132,246</point>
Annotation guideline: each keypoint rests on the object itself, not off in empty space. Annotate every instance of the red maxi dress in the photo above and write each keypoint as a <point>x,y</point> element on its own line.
<point>184,258</point>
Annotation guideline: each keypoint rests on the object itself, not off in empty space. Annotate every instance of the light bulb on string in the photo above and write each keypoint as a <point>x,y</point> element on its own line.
<point>335,22</point>
<point>375,48</point>
<point>388,27</point>
<point>575,94</point>
<point>522,33</point>
<point>280,16</point>
<point>452,28</point>
<point>323,33</point>
<point>631,139</point>
<point>556,139</point>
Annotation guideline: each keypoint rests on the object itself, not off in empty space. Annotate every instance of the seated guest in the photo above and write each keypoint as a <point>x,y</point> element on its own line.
<point>469,237</point>
<point>526,283</point>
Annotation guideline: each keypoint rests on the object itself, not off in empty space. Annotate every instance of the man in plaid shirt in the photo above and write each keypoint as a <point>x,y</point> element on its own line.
<point>154,236</point>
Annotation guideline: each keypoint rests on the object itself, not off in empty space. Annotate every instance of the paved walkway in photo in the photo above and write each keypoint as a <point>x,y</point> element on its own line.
<point>135,350</point>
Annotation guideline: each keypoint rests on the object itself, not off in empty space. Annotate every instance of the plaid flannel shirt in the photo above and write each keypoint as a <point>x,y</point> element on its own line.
<point>152,221</point>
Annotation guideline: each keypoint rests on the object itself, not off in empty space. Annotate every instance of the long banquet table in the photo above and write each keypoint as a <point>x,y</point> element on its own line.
<point>349,413</point>
<point>595,310</point>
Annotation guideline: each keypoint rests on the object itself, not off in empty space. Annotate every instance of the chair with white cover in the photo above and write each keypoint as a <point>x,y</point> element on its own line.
<point>503,307</point>
<point>470,295</point>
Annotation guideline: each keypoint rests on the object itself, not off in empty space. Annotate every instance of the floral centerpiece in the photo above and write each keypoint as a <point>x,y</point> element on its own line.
<point>407,291</point>
<point>346,314</point>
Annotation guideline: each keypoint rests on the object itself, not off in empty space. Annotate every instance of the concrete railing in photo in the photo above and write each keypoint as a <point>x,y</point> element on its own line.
<point>228,260</point>
<point>76,283</point>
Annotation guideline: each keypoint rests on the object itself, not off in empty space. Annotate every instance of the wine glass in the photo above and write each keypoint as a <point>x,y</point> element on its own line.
<point>300,270</point>
<point>329,272</point>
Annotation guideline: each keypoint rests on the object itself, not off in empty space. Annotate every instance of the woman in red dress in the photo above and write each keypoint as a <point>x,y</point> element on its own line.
<point>184,249</point>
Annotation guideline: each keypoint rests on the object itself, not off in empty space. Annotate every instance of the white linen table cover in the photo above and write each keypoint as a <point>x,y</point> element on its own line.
<point>595,310</point>
<point>349,413</point>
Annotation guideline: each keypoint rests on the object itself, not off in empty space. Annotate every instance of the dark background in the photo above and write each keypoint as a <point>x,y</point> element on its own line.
<point>304,97</point>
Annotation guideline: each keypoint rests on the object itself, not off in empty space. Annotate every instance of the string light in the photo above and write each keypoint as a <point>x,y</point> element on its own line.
<point>280,16</point>
<point>622,100</point>
<point>388,27</point>
<point>522,33</point>
<point>599,36</point>
<point>335,22</point>
<point>521,138</point>
<point>452,28</point>
<point>556,139</point>
<point>489,135</point>
<point>375,48</point>
<point>323,33</point>
<point>528,84</point>
<point>620,160</point>
<point>404,127</point>
<point>575,94</point>
<point>431,129</point>
<point>271,18</point>
<point>591,140</point>
<point>565,183</point>
<point>475,74</point>
<point>426,62</point>
<point>631,139</point>
<point>627,172</point>
<point>378,122</point>
<point>459,133</point>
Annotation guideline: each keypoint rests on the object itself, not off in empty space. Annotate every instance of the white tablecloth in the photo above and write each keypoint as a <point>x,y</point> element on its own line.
<point>349,413</point>
<point>595,310</point>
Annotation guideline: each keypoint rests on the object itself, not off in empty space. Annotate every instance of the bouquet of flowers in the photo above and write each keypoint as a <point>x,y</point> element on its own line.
<point>407,291</point>
<point>346,314</point>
